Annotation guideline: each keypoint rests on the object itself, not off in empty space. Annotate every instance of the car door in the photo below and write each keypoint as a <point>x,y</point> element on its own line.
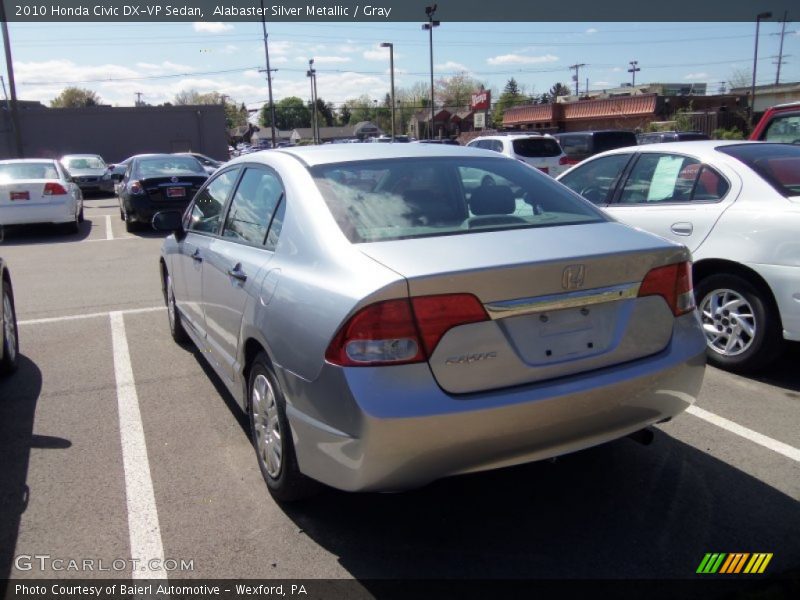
<point>202,224</point>
<point>237,260</point>
<point>673,195</point>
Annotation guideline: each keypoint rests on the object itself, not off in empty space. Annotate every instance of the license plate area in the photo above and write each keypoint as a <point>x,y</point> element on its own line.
<point>19,196</point>
<point>176,192</point>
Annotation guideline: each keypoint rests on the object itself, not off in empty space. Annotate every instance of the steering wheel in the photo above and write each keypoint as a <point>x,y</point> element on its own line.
<point>594,194</point>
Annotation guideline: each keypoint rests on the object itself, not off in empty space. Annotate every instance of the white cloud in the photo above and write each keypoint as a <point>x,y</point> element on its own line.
<point>211,27</point>
<point>452,66</point>
<point>616,70</point>
<point>325,60</point>
<point>601,84</point>
<point>519,59</point>
<point>591,30</point>
<point>377,54</point>
<point>229,49</point>
<point>693,76</point>
<point>165,68</point>
<point>252,74</point>
<point>349,48</point>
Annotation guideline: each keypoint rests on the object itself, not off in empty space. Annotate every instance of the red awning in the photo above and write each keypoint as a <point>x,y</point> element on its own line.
<point>626,106</point>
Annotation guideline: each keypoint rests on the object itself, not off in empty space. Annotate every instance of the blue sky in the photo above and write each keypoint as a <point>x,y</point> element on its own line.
<point>116,60</point>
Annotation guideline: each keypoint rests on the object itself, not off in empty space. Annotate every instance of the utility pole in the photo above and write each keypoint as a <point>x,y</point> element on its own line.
<point>759,17</point>
<point>430,11</point>
<point>311,74</point>
<point>575,77</point>
<point>633,70</point>
<point>780,51</point>
<point>269,75</point>
<point>15,125</point>
<point>138,98</point>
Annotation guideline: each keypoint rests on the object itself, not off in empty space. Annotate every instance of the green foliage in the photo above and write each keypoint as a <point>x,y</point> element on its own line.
<point>511,96</point>
<point>74,97</point>
<point>290,113</point>
<point>559,89</point>
<point>728,134</point>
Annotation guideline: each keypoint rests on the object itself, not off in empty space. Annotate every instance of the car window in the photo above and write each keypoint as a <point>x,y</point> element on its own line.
<point>168,166</point>
<point>576,145</point>
<point>536,147</point>
<point>784,129</point>
<point>777,164</point>
<point>28,170</point>
<point>660,178</point>
<point>206,211</point>
<point>445,196</point>
<point>252,206</point>
<point>595,179</point>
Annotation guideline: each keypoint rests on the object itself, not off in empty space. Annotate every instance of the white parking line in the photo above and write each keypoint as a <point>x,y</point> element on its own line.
<point>755,437</point>
<point>143,527</point>
<point>130,311</point>
<point>109,231</point>
<point>113,239</point>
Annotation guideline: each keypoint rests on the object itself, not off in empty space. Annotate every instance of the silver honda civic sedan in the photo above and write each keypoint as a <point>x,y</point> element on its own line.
<point>390,314</point>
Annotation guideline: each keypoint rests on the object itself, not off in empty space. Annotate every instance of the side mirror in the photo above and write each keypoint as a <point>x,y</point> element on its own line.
<point>170,221</point>
<point>117,177</point>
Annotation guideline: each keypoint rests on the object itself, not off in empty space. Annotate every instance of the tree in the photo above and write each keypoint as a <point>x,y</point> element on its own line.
<point>559,89</point>
<point>455,91</point>
<point>511,96</point>
<point>290,113</point>
<point>344,115</point>
<point>324,113</point>
<point>73,97</point>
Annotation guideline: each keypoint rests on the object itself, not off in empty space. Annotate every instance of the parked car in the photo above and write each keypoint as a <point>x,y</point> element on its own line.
<point>9,338</point>
<point>38,190</point>
<point>540,151</point>
<point>387,317</point>
<point>89,171</point>
<point>209,164</point>
<point>580,145</point>
<point>736,205</point>
<point>659,137</point>
<point>448,141</point>
<point>153,182</point>
<point>779,123</point>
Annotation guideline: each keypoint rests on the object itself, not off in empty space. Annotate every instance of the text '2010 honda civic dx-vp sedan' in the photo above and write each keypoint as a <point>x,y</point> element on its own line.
<point>389,315</point>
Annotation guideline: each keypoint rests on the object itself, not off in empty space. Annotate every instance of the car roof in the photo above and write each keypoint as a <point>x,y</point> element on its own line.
<point>695,147</point>
<point>26,160</point>
<point>337,153</point>
<point>514,136</point>
<point>81,156</point>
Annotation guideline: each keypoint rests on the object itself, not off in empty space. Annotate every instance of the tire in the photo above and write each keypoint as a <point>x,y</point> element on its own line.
<point>80,215</point>
<point>130,225</point>
<point>176,328</point>
<point>742,328</point>
<point>8,364</point>
<point>272,437</point>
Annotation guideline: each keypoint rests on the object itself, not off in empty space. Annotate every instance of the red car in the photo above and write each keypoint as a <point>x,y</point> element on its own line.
<point>780,123</point>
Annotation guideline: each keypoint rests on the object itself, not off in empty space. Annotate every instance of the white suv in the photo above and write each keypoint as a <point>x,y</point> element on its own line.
<point>540,151</point>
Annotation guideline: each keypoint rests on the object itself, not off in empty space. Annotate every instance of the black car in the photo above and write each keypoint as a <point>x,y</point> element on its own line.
<point>657,137</point>
<point>154,182</point>
<point>9,340</point>
<point>580,145</point>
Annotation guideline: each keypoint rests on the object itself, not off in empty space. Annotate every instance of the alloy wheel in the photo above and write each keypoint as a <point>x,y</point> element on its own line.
<point>9,328</point>
<point>728,321</point>
<point>269,442</point>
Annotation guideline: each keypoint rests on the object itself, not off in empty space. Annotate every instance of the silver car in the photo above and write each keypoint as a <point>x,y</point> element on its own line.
<point>89,171</point>
<point>389,315</point>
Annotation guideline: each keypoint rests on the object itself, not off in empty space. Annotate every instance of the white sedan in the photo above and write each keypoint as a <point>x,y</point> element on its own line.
<point>736,205</point>
<point>38,191</point>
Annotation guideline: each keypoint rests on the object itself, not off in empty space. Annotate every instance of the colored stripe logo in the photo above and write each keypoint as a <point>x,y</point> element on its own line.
<point>734,563</point>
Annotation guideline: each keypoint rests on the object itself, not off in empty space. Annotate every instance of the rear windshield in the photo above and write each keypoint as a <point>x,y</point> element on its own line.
<point>608,140</point>
<point>85,163</point>
<point>778,164</point>
<point>586,144</point>
<point>536,147</point>
<point>411,198</point>
<point>31,170</point>
<point>166,167</point>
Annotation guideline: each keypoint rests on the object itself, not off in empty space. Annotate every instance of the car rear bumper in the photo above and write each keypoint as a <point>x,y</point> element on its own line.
<point>53,211</point>
<point>142,209</point>
<point>393,428</point>
<point>785,284</point>
<point>97,186</point>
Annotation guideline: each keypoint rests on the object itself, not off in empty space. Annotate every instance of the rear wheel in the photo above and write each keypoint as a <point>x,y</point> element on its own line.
<point>8,363</point>
<point>742,330</point>
<point>175,323</point>
<point>271,436</point>
<point>80,215</point>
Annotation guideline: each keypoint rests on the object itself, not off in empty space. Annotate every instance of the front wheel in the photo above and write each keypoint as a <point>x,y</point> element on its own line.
<point>271,436</point>
<point>8,363</point>
<point>742,330</point>
<point>175,322</point>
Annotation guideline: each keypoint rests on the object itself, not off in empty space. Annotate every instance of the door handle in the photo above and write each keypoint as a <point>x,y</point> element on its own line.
<point>196,256</point>
<point>237,273</point>
<point>682,228</point>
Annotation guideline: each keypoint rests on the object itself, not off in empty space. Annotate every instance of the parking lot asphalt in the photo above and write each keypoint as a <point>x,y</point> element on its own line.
<point>94,390</point>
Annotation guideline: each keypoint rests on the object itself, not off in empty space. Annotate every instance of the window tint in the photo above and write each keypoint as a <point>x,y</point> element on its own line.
<point>444,196</point>
<point>168,166</point>
<point>16,171</point>
<point>784,129</point>
<point>777,164</point>
<point>252,206</point>
<point>536,147</point>
<point>207,209</point>
<point>597,178</point>
<point>660,178</point>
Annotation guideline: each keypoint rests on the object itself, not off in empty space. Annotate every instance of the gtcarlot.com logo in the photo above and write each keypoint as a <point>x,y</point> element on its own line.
<point>734,563</point>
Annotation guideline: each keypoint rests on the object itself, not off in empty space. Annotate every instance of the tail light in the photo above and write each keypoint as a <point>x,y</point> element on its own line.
<point>401,331</point>
<point>566,160</point>
<point>54,189</point>
<point>544,170</point>
<point>674,284</point>
<point>136,188</point>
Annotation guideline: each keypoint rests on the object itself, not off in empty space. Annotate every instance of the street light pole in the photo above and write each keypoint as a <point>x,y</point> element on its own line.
<point>269,76</point>
<point>311,72</point>
<point>759,16</point>
<point>634,68</point>
<point>430,10</point>
<point>390,46</point>
<point>15,124</point>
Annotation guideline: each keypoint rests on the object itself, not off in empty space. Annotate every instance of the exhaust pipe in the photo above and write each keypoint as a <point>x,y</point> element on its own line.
<point>643,436</point>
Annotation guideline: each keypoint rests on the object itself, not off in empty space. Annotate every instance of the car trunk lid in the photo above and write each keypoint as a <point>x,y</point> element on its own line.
<point>172,189</point>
